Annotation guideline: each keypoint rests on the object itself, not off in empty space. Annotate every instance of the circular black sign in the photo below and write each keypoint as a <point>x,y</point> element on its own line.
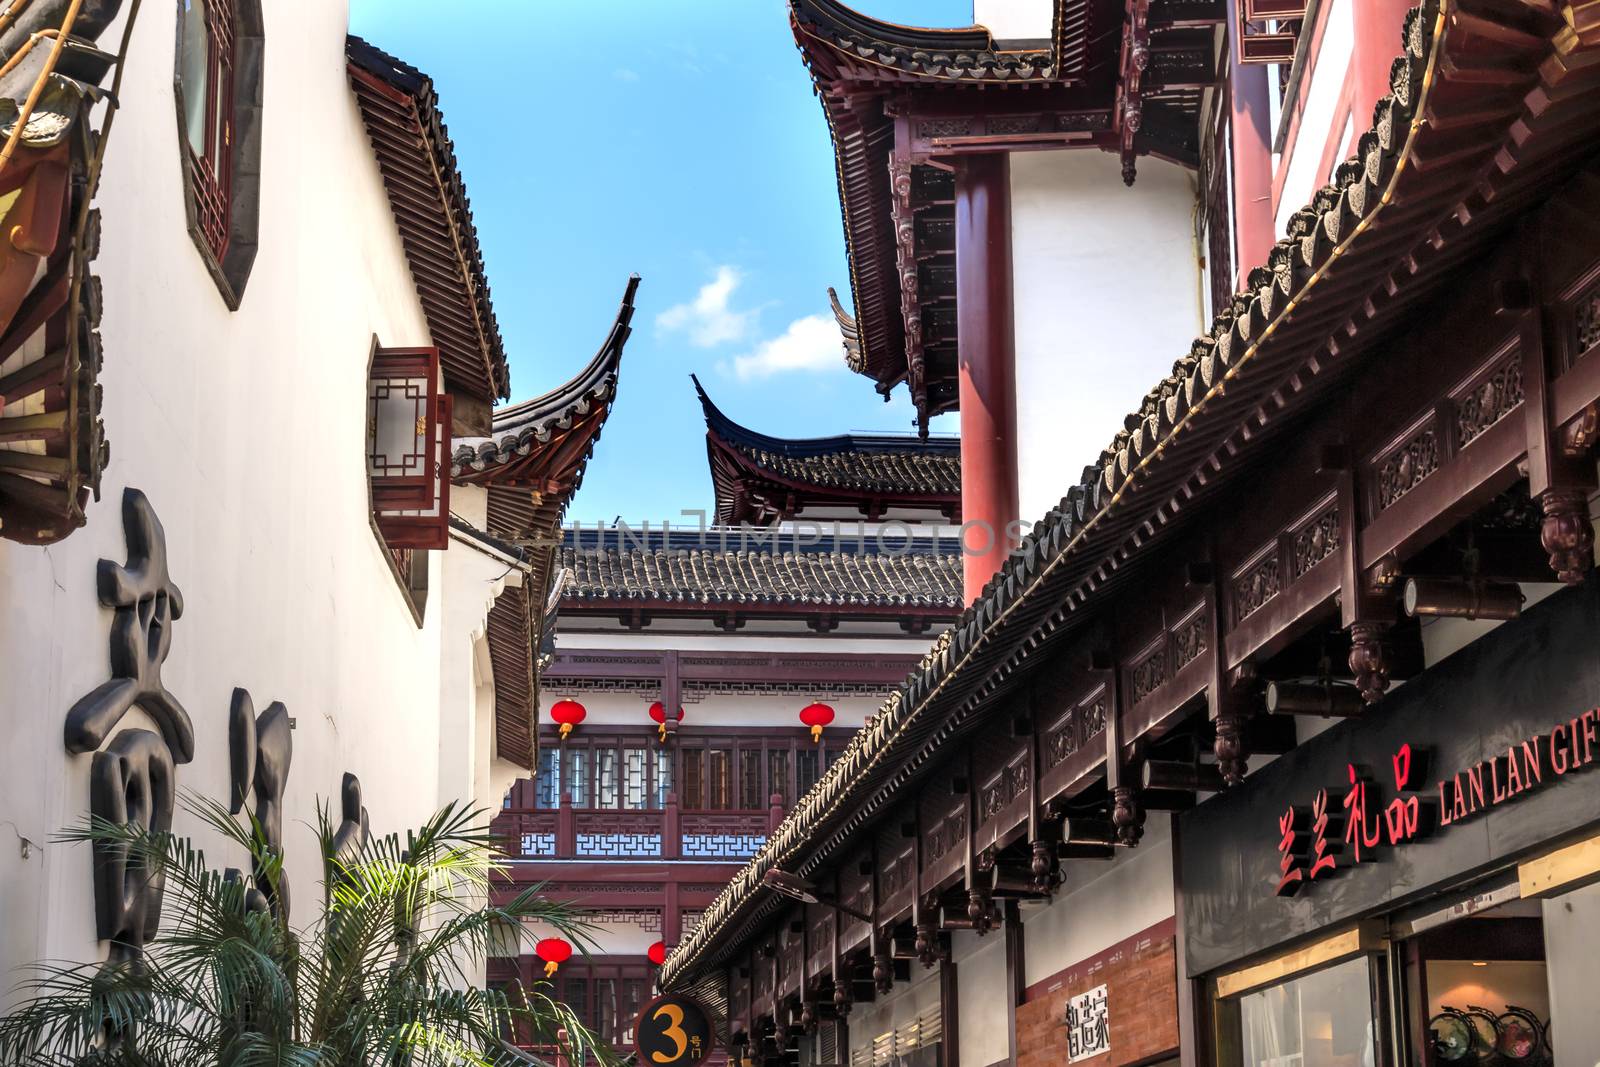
<point>673,1029</point>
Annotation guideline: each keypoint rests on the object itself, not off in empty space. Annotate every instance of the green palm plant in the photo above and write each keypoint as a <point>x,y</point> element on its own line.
<point>380,978</point>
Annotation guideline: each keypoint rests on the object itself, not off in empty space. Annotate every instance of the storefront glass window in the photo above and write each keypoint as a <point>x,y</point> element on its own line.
<point>1321,1020</point>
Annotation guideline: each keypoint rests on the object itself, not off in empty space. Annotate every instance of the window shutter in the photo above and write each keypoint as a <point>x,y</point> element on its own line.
<point>408,448</point>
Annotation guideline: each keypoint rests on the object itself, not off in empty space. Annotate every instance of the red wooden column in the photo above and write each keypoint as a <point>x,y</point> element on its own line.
<point>986,339</point>
<point>1250,133</point>
<point>1379,29</point>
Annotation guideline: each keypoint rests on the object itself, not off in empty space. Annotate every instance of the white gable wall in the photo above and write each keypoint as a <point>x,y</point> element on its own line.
<point>245,429</point>
<point>1107,295</point>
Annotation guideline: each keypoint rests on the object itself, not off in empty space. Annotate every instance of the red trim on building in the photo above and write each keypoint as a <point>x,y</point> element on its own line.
<point>1087,967</point>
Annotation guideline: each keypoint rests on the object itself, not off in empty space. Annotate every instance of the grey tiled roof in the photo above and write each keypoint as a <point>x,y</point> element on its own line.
<point>900,464</point>
<point>695,569</point>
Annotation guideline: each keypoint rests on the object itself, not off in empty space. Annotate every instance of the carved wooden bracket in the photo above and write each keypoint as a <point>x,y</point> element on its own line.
<point>1567,533</point>
<point>1127,816</point>
<point>1369,659</point>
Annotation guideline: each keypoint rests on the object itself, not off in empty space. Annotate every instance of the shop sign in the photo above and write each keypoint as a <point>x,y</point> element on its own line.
<point>1317,841</point>
<point>673,1030</point>
<point>1088,1025</point>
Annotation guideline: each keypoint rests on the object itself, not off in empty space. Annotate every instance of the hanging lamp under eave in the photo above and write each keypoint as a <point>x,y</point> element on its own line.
<point>568,714</point>
<point>816,716</point>
<point>658,714</point>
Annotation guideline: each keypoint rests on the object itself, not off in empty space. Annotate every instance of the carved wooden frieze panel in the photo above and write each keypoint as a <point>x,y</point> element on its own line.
<point>1148,673</point>
<point>1314,541</point>
<point>1190,638</point>
<point>944,842</point>
<point>1488,397</point>
<point>1405,465</point>
<point>1585,318</point>
<point>1257,583</point>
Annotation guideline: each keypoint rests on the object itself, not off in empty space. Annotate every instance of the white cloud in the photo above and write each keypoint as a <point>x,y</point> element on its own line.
<point>809,344</point>
<point>623,74</point>
<point>707,319</point>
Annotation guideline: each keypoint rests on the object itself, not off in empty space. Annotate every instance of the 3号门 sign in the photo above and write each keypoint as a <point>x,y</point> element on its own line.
<point>673,1030</point>
<point>1088,1025</point>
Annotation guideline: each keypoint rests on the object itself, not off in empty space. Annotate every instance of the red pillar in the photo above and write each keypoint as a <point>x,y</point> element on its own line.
<point>1379,30</point>
<point>986,339</point>
<point>1250,128</point>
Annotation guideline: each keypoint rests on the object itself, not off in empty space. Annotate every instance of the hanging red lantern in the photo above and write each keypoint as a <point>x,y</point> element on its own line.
<point>554,951</point>
<point>658,712</point>
<point>816,716</point>
<point>568,713</point>
<point>657,953</point>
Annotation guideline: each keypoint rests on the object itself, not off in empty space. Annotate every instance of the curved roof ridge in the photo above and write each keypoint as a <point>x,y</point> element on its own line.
<point>720,425</point>
<point>603,365</point>
<point>967,38</point>
<point>849,334</point>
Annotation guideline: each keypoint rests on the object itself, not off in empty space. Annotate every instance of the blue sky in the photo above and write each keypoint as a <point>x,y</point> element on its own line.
<point>678,140</point>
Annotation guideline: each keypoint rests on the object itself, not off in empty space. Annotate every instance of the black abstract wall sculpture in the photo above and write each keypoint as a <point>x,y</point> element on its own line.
<point>146,603</point>
<point>354,829</point>
<point>349,837</point>
<point>130,783</point>
<point>260,748</point>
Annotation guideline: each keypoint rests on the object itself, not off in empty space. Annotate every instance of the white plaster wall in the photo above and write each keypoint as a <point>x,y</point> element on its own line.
<point>1571,932</point>
<point>1100,904</point>
<point>1321,91</point>
<point>1107,295</point>
<point>472,579</point>
<point>600,939</point>
<point>246,431</point>
<point>1013,20</point>
<point>981,991</point>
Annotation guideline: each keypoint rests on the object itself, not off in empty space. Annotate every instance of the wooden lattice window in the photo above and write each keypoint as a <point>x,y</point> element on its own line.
<point>217,83</point>
<point>206,62</point>
<point>408,464</point>
<point>751,796</point>
<point>408,444</point>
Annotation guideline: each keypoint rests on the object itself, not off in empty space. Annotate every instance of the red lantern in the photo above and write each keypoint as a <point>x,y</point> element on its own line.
<point>568,713</point>
<point>657,953</point>
<point>658,712</point>
<point>554,951</point>
<point>816,716</point>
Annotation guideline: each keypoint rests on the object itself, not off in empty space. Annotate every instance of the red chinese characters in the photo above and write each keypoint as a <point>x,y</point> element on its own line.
<point>1321,851</point>
<point>1361,832</point>
<point>1403,816</point>
<point>1311,843</point>
<point>1291,852</point>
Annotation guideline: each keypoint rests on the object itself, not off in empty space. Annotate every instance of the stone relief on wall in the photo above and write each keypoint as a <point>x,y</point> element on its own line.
<point>133,778</point>
<point>146,603</point>
<point>260,748</point>
<point>131,783</point>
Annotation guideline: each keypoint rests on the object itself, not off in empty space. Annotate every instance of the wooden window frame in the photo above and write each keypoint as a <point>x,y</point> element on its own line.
<point>392,502</point>
<point>763,742</point>
<point>221,182</point>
